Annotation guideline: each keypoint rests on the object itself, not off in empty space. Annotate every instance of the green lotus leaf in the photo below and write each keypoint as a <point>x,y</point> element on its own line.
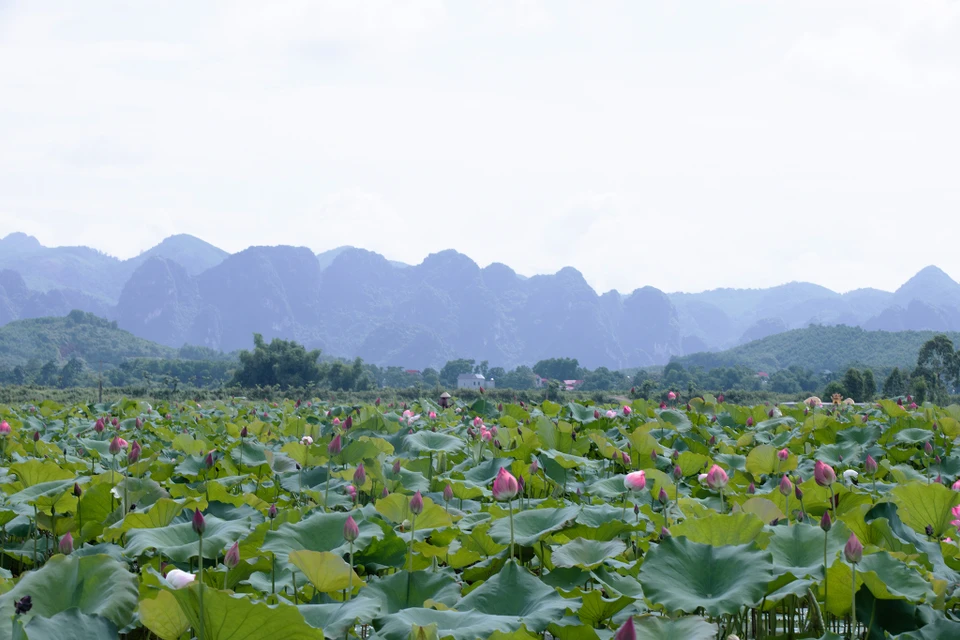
<point>396,508</point>
<point>763,508</point>
<point>890,579</point>
<point>179,542</point>
<point>430,441</point>
<point>683,575</point>
<point>720,529</point>
<point>688,628</point>
<point>532,525</point>
<point>763,460</point>
<point>922,504</point>
<point>404,590</point>
<point>72,624</point>
<point>338,618</point>
<point>516,593</point>
<point>318,532</point>
<point>36,471</point>
<point>618,584</point>
<point>799,548</point>
<point>586,554</point>
<point>93,585</point>
<point>459,625</point>
<point>163,616</point>
<point>228,617</point>
<point>326,571</point>
<point>596,609</point>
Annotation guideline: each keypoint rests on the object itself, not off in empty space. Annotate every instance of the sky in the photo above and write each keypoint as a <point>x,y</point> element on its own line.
<point>684,145</point>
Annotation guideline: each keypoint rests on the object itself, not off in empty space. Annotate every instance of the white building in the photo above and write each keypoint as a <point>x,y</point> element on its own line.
<point>474,381</point>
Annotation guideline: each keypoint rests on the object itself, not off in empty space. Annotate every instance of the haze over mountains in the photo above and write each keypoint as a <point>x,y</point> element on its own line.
<point>353,302</point>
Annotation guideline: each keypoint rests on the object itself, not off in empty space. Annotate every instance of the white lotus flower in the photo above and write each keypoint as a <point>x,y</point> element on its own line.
<point>306,441</point>
<point>179,579</point>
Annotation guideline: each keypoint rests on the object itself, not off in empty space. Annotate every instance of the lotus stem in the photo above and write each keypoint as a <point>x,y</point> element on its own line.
<point>825,569</point>
<point>853,603</point>
<point>350,577</point>
<point>326,490</point>
<point>200,575</point>
<point>510,510</point>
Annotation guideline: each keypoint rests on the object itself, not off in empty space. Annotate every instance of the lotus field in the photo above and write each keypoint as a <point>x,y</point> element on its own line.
<point>309,520</point>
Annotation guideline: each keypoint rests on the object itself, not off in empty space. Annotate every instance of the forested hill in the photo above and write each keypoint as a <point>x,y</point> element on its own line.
<point>819,348</point>
<point>77,335</point>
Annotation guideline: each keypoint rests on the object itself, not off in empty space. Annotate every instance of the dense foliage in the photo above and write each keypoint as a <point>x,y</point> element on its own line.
<point>310,520</point>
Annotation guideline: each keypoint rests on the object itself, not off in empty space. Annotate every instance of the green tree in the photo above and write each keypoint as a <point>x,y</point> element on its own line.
<point>453,368</point>
<point>869,385</point>
<point>520,378</point>
<point>939,365</point>
<point>431,377</point>
<point>71,372</point>
<point>834,386</point>
<point>558,369</point>
<point>49,373</point>
<point>853,383</point>
<point>894,385</point>
<point>282,362</point>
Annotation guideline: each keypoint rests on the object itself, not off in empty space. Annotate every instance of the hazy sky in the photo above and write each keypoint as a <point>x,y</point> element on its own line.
<point>684,145</point>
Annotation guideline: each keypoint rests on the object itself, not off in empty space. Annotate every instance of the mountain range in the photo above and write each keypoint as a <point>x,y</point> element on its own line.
<point>353,302</point>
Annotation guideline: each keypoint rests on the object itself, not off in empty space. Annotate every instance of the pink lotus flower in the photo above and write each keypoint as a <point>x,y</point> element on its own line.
<point>870,465</point>
<point>626,631</point>
<point>4,428</point>
<point>627,410</point>
<point>663,405</point>
<point>432,415</point>
<point>335,446</point>
<point>786,487</point>
<point>232,557</point>
<point>478,421</point>
<point>199,525</point>
<point>66,544</point>
<point>626,459</point>
<point>134,454</point>
<point>115,446</point>
<point>350,530</point>
<point>336,422</point>
<point>783,454</point>
<point>505,486</point>
<point>913,406</point>
<point>359,475</point>
<point>485,434</point>
<point>611,413</point>
<point>717,478</point>
<point>635,481</point>
<point>750,421</point>
<point>447,493</point>
<point>956,486</point>
<point>956,514</point>
<point>824,474</point>
<point>179,579</point>
<point>352,492</point>
<point>416,504</point>
<point>853,550</point>
<point>306,441</point>
<point>671,395</point>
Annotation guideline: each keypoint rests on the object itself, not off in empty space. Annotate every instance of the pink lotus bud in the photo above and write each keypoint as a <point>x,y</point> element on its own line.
<point>66,544</point>
<point>771,413</point>
<point>134,453</point>
<point>432,415</point>
<point>482,390</point>
<point>671,395</point>
<point>663,405</point>
<point>783,454</point>
<point>36,436</point>
<point>688,408</point>
<point>717,478</point>
<point>712,441</point>
<point>870,465</point>
<point>627,410</point>
<point>927,448</point>
<point>352,492</point>
<point>115,446</point>
<point>336,422</point>
<point>913,406</point>
<point>447,493</point>
<point>350,530</point>
<point>900,401</point>
<point>384,493</point>
<point>824,474</point>
<point>335,446</point>
<point>232,557</point>
<point>825,522</point>
<point>272,511</point>
<point>626,631</point>
<point>752,489</point>
<point>864,419</point>
<point>505,486</point>
<point>909,398</point>
<point>653,455</point>
<point>77,491</point>
<point>348,423</point>
<point>625,457</point>
<point>720,398</point>
<point>664,533</point>
<point>938,479</point>
<point>786,487</point>
<point>179,579</point>
<point>662,496</point>
<point>500,407</point>
<point>4,428</point>
<point>199,525</point>
<point>596,414</point>
<point>360,475</point>
<point>956,485</point>
<point>798,492</point>
<point>853,550</point>
<point>535,466</point>
<point>396,466</point>
<point>377,402</point>
<point>635,481</point>
<point>486,435</point>
<point>677,472</point>
<point>520,483</point>
<point>210,460</point>
<point>416,504</point>
<point>750,421</point>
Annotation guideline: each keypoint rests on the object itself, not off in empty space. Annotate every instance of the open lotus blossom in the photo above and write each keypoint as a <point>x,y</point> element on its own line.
<point>671,395</point>
<point>853,550</point>
<point>635,481</point>
<point>179,579</point>
<point>717,478</point>
<point>824,474</point>
<point>306,441</point>
<point>505,486</point>
<point>611,413</point>
<point>956,514</point>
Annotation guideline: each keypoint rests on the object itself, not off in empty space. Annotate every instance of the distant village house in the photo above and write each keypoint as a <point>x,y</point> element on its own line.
<point>474,381</point>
